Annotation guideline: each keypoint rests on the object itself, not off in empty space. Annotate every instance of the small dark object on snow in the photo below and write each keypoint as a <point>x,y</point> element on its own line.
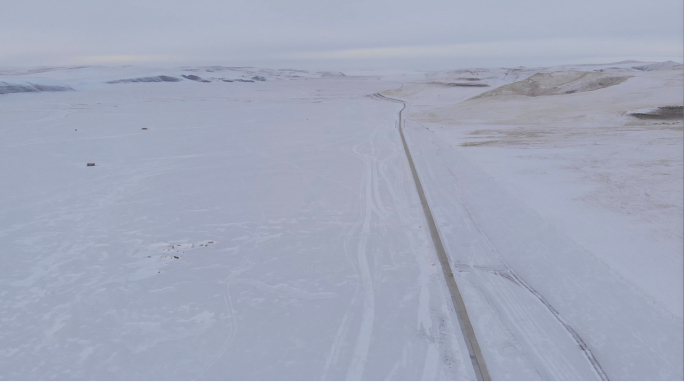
<point>90,164</point>
<point>144,129</point>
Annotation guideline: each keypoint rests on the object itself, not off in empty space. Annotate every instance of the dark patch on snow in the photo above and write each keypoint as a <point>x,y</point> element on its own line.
<point>150,79</point>
<point>169,79</point>
<point>196,78</point>
<point>192,77</point>
<point>258,78</point>
<point>461,84</point>
<point>29,87</point>
<point>670,112</point>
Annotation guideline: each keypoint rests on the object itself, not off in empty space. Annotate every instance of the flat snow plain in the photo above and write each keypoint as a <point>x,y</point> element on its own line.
<point>266,230</point>
<point>272,230</point>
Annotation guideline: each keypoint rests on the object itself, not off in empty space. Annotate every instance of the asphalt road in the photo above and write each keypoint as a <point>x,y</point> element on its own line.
<point>464,321</point>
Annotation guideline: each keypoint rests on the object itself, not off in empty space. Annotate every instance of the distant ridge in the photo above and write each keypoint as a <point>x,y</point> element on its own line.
<point>656,66</point>
<point>151,79</point>
<point>6,88</point>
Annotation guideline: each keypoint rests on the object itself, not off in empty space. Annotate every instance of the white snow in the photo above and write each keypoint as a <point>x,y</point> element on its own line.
<point>266,230</point>
<point>272,230</point>
<point>575,198</point>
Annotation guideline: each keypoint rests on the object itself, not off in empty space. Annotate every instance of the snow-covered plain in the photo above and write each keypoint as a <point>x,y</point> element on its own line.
<point>271,229</point>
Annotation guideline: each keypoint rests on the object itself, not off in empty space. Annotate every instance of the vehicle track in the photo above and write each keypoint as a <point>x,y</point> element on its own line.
<point>474,350</point>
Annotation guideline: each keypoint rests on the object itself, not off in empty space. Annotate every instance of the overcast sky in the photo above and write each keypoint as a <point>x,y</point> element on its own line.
<point>346,34</point>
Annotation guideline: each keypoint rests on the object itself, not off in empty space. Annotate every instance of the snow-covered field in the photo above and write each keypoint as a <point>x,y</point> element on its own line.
<point>270,228</point>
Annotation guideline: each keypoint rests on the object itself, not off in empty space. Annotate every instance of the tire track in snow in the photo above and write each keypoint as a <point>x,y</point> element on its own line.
<point>578,339</point>
<point>333,355</point>
<point>530,326</point>
<point>549,366</point>
<point>360,354</point>
<point>232,323</point>
<point>464,321</point>
<point>362,344</point>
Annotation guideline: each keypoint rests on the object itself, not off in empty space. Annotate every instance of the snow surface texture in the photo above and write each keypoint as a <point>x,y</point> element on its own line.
<point>266,230</point>
<point>265,224</point>
<point>560,210</point>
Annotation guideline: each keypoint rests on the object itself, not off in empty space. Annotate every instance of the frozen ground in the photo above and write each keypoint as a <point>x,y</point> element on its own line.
<point>271,229</point>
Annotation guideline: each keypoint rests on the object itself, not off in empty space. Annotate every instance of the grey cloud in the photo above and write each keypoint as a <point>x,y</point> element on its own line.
<point>242,32</point>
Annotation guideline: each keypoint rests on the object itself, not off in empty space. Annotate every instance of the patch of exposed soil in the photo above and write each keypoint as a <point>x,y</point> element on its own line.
<point>658,66</point>
<point>29,87</point>
<point>670,112</point>
<point>150,79</point>
<point>196,78</point>
<point>556,83</point>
